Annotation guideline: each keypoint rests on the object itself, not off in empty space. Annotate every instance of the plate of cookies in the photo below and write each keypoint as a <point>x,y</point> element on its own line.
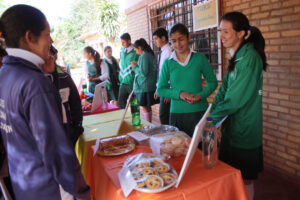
<point>151,173</point>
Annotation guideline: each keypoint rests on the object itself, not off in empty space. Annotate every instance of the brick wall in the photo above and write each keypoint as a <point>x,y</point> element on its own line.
<point>279,22</point>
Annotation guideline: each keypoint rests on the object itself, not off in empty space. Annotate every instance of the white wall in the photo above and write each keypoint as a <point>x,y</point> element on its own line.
<point>128,3</point>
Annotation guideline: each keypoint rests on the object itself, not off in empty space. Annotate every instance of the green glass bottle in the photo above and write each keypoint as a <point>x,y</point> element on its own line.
<point>84,86</point>
<point>135,111</point>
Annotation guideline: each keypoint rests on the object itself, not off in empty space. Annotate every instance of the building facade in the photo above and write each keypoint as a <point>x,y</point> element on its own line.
<point>279,22</point>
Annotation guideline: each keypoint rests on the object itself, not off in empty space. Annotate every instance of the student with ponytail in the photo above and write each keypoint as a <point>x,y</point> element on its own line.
<point>144,85</point>
<point>95,69</point>
<point>240,97</point>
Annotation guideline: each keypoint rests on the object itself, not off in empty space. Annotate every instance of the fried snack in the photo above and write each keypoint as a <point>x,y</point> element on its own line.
<point>162,167</point>
<point>116,145</point>
<point>168,178</point>
<point>154,182</point>
<point>149,171</point>
<point>173,144</point>
<point>141,184</point>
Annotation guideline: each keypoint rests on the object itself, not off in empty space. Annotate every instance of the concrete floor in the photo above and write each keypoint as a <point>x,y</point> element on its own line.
<point>274,186</point>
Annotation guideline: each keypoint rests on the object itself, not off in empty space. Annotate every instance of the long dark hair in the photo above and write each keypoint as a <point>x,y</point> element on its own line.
<point>96,57</point>
<point>144,45</point>
<point>19,19</point>
<point>241,23</point>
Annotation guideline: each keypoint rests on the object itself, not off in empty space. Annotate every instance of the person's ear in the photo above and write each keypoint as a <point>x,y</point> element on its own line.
<point>189,37</point>
<point>29,37</point>
<point>241,34</point>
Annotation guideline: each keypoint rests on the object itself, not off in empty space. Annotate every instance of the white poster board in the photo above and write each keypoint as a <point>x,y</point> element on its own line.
<point>194,145</point>
<point>97,100</point>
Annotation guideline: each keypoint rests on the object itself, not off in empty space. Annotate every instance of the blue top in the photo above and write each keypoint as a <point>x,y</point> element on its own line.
<point>40,155</point>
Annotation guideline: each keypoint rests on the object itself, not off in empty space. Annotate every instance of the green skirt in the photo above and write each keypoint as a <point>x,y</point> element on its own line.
<point>146,98</point>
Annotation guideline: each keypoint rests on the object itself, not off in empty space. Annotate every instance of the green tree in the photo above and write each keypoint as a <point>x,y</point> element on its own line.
<point>85,16</point>
<point>108,16</point>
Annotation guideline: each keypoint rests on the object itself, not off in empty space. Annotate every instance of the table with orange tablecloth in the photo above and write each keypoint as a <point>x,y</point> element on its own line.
<point>101,125</point>
<point>220,183</point>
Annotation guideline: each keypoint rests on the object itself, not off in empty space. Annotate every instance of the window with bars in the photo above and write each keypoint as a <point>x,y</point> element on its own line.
<point>166,13</point>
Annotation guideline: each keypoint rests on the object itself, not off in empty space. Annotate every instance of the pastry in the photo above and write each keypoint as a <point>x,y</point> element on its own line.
<point>187,141</point>
<point>137,175</point>
<point>142,165</point>
<point>177,141</point>
<point>149,171</point>
<point>154,182</point>
<point>179,152</point>
<point>157,161</point>
<point>168,178</point>
<point>162,167</point>
<point>141,184</point>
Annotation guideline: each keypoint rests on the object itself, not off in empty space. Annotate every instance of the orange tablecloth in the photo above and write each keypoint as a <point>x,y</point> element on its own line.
<point>221,183</point>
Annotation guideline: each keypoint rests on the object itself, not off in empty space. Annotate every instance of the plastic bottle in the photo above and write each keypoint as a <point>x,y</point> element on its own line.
<point>84,87</point>
<point>135,111</point>
<point>209,145</point>
<point>103,97</point>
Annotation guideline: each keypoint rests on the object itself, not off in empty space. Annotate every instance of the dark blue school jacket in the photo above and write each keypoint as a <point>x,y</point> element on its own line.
<point>40,155</point>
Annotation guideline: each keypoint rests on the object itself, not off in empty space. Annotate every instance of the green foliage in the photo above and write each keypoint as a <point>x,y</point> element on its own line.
<point>108,16</point>
<point>85,16</point>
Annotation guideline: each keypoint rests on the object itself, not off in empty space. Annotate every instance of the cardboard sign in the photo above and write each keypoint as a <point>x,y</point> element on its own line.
<point>197,136</point>
<point>205,15</point>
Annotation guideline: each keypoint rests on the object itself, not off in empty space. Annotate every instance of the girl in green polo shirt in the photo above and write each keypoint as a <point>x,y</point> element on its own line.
<point>181,81</point>
<point>240,97</point>
<point>144,85</point>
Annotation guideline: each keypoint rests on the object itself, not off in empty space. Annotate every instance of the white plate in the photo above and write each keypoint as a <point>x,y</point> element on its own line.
<point>145,190</point>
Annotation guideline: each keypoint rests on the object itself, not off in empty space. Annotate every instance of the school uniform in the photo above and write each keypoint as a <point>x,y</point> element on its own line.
<point>40,156</point>
<point>177,77</point>
<point>90,69</point>
<point>240,97</point>
<point>164,108</point>
<point>114,83</point>
<point>145,79</point>
<point>126,75</point>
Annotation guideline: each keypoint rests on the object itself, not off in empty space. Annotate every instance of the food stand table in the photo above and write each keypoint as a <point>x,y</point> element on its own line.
<point>222,182</point>
<point>101,125</point>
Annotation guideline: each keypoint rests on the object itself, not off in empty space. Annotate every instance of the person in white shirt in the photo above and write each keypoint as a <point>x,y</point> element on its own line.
<point>160,38</point>
<point>95,69</point>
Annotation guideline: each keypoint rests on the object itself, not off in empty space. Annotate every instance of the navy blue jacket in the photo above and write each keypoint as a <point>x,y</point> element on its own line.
<point>40,155</point>
<point>72,104</point>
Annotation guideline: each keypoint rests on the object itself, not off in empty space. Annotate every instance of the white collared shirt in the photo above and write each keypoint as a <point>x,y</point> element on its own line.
<point>26,55</point>
<point>174,57</point>
<point>104,71</point>
<point>166,52</point>
<point>109,60</point>
<point>128,49</point>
